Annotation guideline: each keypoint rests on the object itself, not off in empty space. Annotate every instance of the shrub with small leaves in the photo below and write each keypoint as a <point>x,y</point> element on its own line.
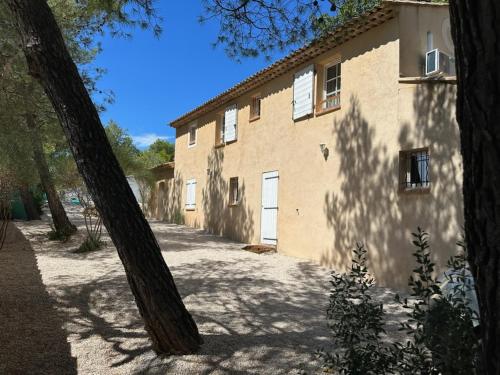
<point>90,244</point>
<point>59,235</point>
<point>440,327</point>
<point>93,225</point>
<point>357,323</point>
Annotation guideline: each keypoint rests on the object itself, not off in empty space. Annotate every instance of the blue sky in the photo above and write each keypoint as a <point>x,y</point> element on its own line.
<point>156,80</point>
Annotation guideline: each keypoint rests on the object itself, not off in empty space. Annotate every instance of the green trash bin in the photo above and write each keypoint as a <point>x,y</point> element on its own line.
<point>17,209</point>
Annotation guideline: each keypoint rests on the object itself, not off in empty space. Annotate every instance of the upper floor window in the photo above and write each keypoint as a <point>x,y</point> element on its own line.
<point>414,169</point>
<point>234,192</point>
<point>331,87</point>
<point>226,129</point>
<point>219,130</point>
<point>255,107</point>
<point>192,134</point>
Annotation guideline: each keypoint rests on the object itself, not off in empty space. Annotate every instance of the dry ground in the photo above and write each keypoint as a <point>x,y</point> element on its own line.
<point>258,314</point>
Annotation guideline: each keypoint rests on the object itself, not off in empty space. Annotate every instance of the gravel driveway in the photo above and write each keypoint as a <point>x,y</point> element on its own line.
<point>258,314</point>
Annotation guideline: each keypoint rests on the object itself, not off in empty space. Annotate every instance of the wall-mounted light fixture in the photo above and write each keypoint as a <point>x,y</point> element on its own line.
<point>324,150</point>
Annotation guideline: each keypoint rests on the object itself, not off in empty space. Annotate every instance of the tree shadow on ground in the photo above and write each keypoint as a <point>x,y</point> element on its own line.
<point>257,314</point>
<point>33,340</point>
<point>368,206</point>
<point>250,322</point>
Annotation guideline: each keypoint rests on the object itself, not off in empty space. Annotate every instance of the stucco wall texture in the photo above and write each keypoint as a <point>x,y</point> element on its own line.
<point>328,204</point>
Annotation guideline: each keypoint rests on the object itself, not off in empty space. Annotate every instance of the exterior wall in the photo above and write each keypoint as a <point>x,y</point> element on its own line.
<point>414,23</point>
<point>327,204</point>
<point>165,200</point>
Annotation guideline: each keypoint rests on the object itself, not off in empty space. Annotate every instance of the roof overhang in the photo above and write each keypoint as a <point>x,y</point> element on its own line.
<point>160,167</point>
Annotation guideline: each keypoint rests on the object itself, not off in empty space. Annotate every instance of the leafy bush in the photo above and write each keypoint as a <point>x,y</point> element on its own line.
<point>357,322</point>
<point>439,326</point>
<point>442,338</point>
<point>93,225</point>
<point>38,198</point>
<point>60,235</point>
<point>90,244</point>
<point>178,217</point>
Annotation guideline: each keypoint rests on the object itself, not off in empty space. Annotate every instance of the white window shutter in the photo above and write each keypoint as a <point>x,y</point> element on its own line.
<point>190,194</point>
<point>303,84</point>
<point>230,123</point>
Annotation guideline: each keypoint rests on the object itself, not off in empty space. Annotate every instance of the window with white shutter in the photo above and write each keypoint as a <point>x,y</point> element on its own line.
<point>190,194</point>
<point>230,123</point>
<point>192,134</point>
<point>303,84</point>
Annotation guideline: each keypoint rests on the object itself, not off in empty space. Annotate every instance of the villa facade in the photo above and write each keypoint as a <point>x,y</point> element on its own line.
<point>351,138</point>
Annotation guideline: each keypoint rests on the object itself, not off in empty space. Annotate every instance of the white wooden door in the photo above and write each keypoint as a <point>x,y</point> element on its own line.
<point>269,214</point>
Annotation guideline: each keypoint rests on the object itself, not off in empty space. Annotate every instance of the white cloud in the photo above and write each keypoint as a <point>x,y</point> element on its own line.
<point>145,140</point>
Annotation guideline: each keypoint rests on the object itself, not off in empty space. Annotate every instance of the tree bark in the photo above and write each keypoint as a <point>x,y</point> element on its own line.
<point>476,33</point>
<point>28,203</point>
<point>169,324</point>
<point>59,217</point>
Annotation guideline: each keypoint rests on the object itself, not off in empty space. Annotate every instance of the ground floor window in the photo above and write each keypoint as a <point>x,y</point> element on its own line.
<point>414,169</point>
<point>234,191</point>
<point>190,194</point>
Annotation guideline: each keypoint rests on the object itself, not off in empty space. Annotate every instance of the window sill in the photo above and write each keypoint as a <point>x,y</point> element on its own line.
<point>219,145</point>
<point>231,142</point>
<point>232,205</point>
<point>255,118</point>
<point>191,209</point>
<point>431,79</point>
<point>191,145</point>
<point>328,110</point>
<point>417,190</point>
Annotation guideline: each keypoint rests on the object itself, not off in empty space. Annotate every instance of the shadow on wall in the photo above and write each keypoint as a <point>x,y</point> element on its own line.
<point>32,338</point>
<point>368,208</point>
<point>232,221</point>
<point>167,200</point>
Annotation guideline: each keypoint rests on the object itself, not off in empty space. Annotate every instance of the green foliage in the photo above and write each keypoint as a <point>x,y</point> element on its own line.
<point>179,217</point>
<point>440,334</point>
<point>90,244</point>
<point>357,323</point>
<point>440,327</point>
<point>249,28</point>
<point>61,235</point>
<point>123,148</point>
<point>93,225</point>
<point>158,153</point>
<point>38,198</point>
<point>341,11</point>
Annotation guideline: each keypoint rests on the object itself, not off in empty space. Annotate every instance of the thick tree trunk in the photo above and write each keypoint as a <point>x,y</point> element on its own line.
<point>476,32</point>
<point>166,319</point>
<point>59,217</point>
<point>28,203</point>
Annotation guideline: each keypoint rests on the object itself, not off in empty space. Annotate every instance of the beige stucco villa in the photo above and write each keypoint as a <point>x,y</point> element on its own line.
<point>350,138</point>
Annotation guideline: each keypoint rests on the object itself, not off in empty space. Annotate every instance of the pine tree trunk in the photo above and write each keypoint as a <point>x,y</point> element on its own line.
<point>476,32</point>
<point>169,324</point>
<point>59,217</point>
<point>28,203</point>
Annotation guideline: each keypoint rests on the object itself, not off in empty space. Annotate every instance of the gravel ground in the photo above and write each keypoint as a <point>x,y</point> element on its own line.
<point>258,314</point>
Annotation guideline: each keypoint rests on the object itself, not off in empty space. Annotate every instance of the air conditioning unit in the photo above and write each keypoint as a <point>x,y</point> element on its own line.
<point>438,62</point>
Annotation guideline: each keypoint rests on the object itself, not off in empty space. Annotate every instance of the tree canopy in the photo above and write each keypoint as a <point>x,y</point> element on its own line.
<point>249,28</point>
